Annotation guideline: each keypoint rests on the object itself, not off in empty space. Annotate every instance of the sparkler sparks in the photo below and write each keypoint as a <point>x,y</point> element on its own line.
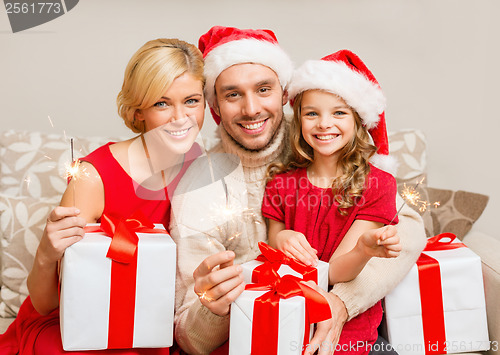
<point>204,296</point>
<point>228,216</point>
<point>412,196</point>
<point>27,181</point>
<point>74,171</point>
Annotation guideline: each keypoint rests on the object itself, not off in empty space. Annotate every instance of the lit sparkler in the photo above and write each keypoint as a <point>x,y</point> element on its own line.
<point>204,296</point>
<point>74,170</point>
<point>222,216</point>
<point>413,197</point>
<point>229,215</point>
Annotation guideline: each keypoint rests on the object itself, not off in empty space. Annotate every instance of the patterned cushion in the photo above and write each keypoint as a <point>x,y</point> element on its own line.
<point>22,220</point>
<point>409,148</point>
<point>32,167</point>
<point>33,163</point>
<point>457,211</point>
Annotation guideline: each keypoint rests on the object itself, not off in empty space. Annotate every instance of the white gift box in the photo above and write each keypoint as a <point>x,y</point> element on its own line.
<point>284,269</point>
<point>291,324</point>
<point>85,292</point>
<point>465,325</point>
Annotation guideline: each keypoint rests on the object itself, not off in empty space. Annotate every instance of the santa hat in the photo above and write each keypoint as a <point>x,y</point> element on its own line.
<point>344,74</point>
<point>223,47</point>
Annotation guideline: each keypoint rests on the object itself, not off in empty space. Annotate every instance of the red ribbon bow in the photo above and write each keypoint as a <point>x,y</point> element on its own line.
<point>431,293</point>
<point>124,234</point>
<point>438,242</point>
<point>123,252</point>
<point>272,260</point>
<point>265,321</point>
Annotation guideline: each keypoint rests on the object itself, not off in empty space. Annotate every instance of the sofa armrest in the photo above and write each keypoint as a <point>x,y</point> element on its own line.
<point>488,249</point>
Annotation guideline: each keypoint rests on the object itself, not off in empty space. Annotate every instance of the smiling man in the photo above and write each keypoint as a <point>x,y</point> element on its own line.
<point>246,78</point>
<point>250,98</point>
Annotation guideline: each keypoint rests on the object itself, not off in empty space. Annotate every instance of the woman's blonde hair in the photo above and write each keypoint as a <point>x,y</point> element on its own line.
<point>353,162</point>
<point>151,71</point>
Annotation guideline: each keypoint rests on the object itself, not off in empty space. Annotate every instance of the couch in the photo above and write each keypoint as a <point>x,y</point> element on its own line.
<point>32,166</point>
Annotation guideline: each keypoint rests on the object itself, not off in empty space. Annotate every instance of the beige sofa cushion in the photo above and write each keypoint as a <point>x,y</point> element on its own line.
<point>409,148</point>
<point>4,324</point>
<point>33,163</point>
<point>22,221</point>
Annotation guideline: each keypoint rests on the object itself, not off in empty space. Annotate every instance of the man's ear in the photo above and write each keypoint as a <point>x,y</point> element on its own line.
<point>216,107</point>
<point>285,97</point>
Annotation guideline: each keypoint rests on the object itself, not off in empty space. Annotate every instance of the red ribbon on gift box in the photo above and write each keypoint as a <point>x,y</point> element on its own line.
<point>123,253</point>
<point>265,321</point>
<point>272,260</point>
<point>431,293</point>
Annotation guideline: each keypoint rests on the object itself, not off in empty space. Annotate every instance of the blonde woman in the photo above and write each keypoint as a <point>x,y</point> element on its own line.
<point>161,100</point>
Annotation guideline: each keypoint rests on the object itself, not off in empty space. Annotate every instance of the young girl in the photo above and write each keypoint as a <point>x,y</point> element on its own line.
<point>328,200</point>
<point>162,100</point>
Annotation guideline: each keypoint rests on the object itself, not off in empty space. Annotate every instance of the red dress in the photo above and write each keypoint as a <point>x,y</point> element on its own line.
<point>290,198</point>
<point>32,333</point>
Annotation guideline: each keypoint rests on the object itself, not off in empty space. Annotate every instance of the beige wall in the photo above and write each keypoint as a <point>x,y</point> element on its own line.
<point>437,62</point>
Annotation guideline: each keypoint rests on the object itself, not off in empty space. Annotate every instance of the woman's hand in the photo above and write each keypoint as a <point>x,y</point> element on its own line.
<point>382,242</point>
<point>295,245</point>
<point>64,228</point>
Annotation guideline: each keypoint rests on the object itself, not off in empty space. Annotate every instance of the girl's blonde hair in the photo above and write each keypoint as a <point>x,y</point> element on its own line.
<point>151,71</point>
<point>353,162</point>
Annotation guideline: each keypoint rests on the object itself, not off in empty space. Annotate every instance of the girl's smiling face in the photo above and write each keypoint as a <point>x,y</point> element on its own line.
<point>328,123</point>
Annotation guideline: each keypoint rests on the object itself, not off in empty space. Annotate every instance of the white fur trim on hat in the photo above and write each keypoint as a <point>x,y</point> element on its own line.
<point>245,51</point>
<point>354,88</point>
<point>387,163</point>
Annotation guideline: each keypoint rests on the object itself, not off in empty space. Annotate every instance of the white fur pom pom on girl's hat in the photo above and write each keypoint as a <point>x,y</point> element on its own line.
<point>344,74</point>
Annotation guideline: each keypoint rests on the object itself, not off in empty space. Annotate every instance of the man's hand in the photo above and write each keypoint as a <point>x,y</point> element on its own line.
<point>218,282</point>
<point>327,333</point>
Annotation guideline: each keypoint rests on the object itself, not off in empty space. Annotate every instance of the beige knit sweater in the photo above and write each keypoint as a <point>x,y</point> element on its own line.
<point>200,230</point>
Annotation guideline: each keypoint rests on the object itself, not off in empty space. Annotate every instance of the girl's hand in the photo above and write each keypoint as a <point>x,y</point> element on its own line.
<point>63,229</point>
<point>295,245</point>
<point>382,242</point>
